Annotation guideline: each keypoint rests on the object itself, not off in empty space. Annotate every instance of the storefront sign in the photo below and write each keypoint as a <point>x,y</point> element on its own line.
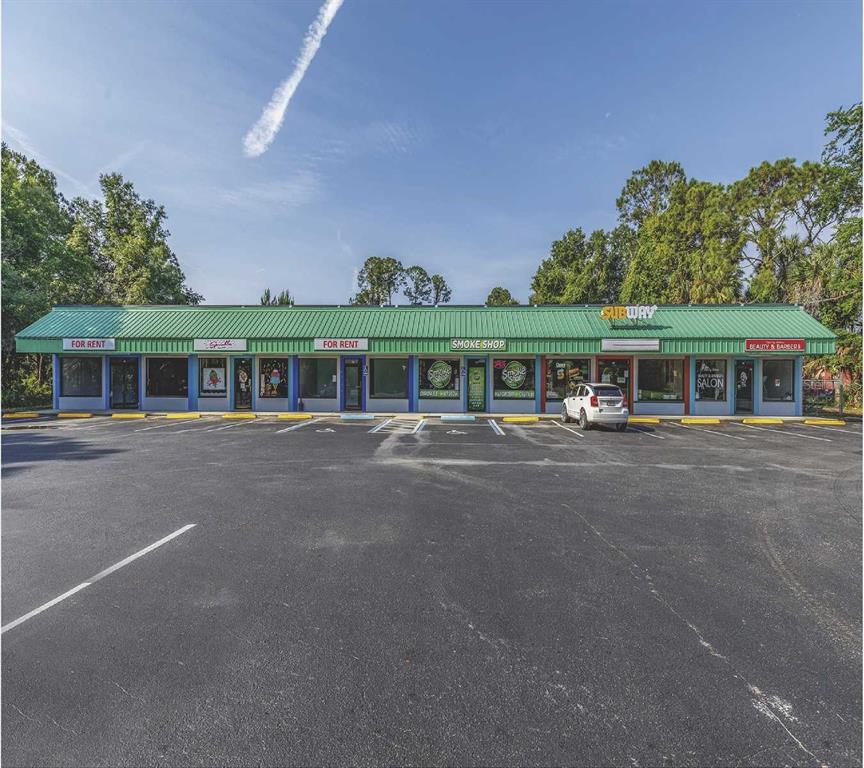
<point>88,345</point>
<point>478,345</point>
<point>774,345</point>
<point>634,312</point>
<point>513,380</point>
<point>630,345</point>
<point>341,345</point>
<point>219,345</point>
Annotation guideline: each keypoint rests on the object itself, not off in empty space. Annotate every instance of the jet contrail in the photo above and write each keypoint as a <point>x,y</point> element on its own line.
<point>261,135</point>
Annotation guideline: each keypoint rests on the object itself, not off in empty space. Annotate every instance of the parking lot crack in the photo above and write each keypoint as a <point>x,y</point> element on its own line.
<point>771,706</point>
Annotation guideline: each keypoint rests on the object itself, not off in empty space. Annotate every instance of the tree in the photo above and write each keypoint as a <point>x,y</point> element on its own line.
<point>417,285</point>
<point>500,297</point>
<point>441,292</point>
<point>377,281</point>
<point>646,192</point>
<point>283,298</point>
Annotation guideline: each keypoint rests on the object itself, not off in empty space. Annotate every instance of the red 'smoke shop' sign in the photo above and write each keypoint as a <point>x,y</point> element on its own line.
<point>341,345</point>
<point>88,345</point>
<point>774,345</point>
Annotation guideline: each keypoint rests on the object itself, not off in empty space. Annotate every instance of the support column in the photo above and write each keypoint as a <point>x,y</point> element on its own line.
<point>412,384</point>
<point>689,384</point>
<point>798,389</point>
<point>55,382</point>
<point>192,383</point>
<point>539,389</point>
<point>106,382</point>
<point>757,386</point>
<point>254,382</point>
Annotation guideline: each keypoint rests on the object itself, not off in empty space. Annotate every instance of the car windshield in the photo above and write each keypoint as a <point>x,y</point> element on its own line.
<point>607,392</point>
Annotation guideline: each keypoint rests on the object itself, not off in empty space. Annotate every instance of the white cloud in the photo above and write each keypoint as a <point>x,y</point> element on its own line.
<point>301,188</point>
<point>261,135</point>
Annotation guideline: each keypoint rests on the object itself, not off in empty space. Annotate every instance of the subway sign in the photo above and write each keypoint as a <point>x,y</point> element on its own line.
<point>478,345</point>
<point>774,345</point>
<point>633,312</point>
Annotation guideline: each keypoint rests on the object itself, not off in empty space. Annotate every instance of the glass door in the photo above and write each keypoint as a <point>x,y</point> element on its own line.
<point>124,382</point>
<point>243,384</point>
<point>615,370</point>
<point>353,379</point>
<point>743,386</point>
<point>477,386</point>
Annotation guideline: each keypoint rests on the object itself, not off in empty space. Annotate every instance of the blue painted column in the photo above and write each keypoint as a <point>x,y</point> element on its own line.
<point>364,363</point>
<point>55,384</point>
<point>254,377</point>
<point>192,383</point>
<point>757,386</point>
<point>538,383</point>
<point>798,390</point>
<point>730,386</point>
<point>412,384</point>
<point>142,381</point>
<point>294,381</point>
<point>106,382</point>
<point>489,383</point>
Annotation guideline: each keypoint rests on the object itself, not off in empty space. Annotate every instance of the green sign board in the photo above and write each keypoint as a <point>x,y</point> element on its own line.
<point>478,345</point>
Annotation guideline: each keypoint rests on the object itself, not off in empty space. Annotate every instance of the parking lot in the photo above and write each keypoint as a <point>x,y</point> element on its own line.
<point>411,590</point>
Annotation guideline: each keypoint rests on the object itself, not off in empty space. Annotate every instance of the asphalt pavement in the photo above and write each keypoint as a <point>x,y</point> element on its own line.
<point>430,593</point>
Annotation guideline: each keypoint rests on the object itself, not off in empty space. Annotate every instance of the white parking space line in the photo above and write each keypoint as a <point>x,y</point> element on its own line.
<point>231,426</point>
<point>205,428</point>
<point>645,432</point>
<point>495,428</point>
<point>786,432</point>
<point>296,426</point>
<point>162,426</point>
<point>420,426</point>
<point>97,577</point>
<point>380,426</point>
<point>578,434</point>
<point>843,430</point>
<point>712,431</point>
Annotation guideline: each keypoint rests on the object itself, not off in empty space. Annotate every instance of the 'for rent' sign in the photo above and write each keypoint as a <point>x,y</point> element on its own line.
<point>88,345</point>
<point>341,345</point>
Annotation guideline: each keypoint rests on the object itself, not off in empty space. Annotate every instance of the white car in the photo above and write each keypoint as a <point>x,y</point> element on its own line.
<point>596,404</point>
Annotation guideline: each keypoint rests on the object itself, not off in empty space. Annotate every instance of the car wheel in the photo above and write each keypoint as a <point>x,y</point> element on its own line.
<point>621,427</point>
<point>565,416</point>
<point>583,420</point>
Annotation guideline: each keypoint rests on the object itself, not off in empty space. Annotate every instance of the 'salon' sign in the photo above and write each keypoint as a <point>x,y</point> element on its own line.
<point>634,312</point>
<point>88,345</point>
<point>774,345</point>
<point>478,345</point>
<point>219,345</point>
<point>341,345</point>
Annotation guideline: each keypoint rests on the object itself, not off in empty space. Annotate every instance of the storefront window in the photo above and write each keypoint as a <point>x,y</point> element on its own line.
<point>167,377</point>
<point>389,379</point>
<point>318,377</point>
<point>513,379</point>
<point>562,376</point>
<point>273,377</point>
<point>81,377</point>
<point>661,380</point>
<point>778,378</point>
<point>214,382</point>
<point>439,379</point>
<point>710,379</point>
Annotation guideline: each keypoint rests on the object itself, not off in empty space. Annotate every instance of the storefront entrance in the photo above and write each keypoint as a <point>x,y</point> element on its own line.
<point>743,386</point>
<point>243,383</point>
<point>352,383</point>
<point>477,386</point>
<point>616,370</point>
<point>124,382</point>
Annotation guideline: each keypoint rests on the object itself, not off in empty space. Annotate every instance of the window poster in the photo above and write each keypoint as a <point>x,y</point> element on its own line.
<point>439,379</point>
<point>213,381</point>
<point>513,379</point>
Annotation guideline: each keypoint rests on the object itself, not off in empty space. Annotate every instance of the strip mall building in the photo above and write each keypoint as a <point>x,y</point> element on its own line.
<point>668,360</point>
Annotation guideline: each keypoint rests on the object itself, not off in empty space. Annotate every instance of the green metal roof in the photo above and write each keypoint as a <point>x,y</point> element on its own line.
<point>713,328</point>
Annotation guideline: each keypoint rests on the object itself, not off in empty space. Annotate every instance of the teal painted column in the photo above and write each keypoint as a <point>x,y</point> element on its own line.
<point>192,383</point>
<point>757,386</point>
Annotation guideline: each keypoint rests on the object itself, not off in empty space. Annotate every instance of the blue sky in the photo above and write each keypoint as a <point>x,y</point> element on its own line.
<point>461,136</point>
